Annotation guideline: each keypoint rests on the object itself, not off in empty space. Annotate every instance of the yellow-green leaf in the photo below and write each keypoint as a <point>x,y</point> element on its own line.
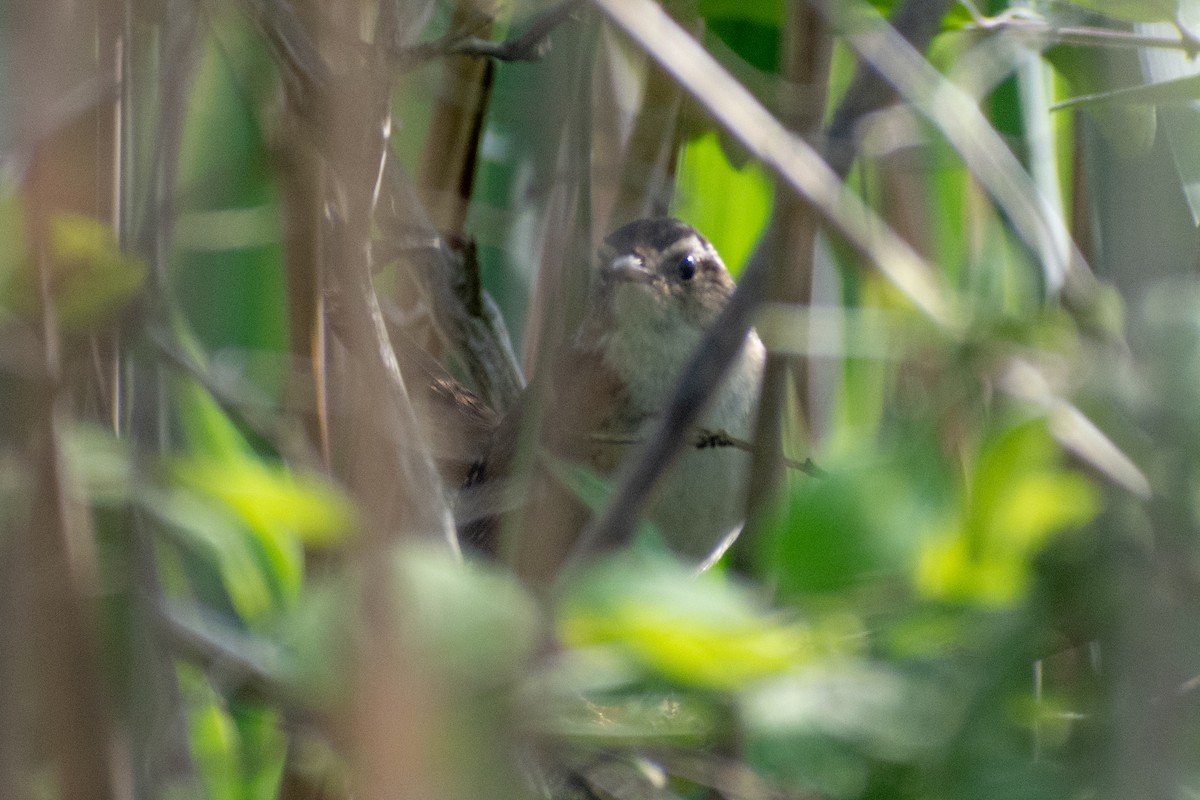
<point>697,630</point>
<point>1018,499</point>
<point>90,277</point>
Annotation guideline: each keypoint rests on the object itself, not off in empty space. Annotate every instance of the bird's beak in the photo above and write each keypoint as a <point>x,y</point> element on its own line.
<point>629,268</point>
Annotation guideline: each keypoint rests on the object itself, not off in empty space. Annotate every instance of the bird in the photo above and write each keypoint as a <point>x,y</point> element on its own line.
<point>657,287</point>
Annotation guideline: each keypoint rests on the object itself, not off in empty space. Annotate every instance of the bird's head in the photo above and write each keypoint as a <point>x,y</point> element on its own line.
<point>656,277</point>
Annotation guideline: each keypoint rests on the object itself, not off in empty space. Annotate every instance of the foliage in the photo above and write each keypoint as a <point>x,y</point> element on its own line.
<point>235,267</point>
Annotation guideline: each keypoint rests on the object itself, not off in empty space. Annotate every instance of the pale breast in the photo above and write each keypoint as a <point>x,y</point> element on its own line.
<point>702,498</point>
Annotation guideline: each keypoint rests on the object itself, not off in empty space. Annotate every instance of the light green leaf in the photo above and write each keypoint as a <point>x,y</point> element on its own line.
<point>277,510</point>
<point>698,630</point>
<point>1018,499</point>
<point>90,278</point>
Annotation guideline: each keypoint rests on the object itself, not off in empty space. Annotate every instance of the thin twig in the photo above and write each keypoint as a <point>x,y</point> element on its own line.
<point>1048,33</point>
<point>413,56</point>
<point>529,46</point>
<point>706,439</point>
<point>722,438</point>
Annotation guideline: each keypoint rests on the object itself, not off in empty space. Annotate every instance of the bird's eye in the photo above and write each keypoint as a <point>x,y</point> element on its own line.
<point>686,267</point>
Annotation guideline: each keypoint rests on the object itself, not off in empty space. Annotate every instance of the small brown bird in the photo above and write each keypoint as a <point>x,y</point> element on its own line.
<point>658,288</point>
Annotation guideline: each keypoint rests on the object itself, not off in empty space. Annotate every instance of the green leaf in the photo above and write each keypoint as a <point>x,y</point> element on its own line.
<point>1092,74</point>
<point>264,494</point>
<point>13,255</point>
<point>825,537</point>
<point>765,12</point>
<point>474,621</point>
<point>276,510</point>
<point>1018,498</point>
<point>752,30</point>
<point>820,727</point>
<point>102,462</point>
<point>213,736</point>
<point>1180,121</point>
<point>227,270</point>
<point>697,630</point>
<point>206,530</point>
<point>90,278</point>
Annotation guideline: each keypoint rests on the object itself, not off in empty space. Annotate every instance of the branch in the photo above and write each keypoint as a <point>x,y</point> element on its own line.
<point>1047,33</point>
<point>529,46</point>
<point>706,439</point>
<point>721,438</point>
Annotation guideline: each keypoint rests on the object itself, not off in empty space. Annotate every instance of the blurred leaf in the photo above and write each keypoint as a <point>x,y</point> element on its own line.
<point>270,498</point>
<point>826,536</point>
<point>96,277</point>
<point>13,255</point>
<point>752,30</point>
<point>263,747</point>
<point>1180,121</point>
<point>278,509</point>
<point>1017,499</point>
<point>239,746</point>
<point>214,737</point>
<point>826,726</point>
<point>103,463</point>
<point>228,264</point>
<point>472,620</point>
<point>859,524</point>
<point>698,630</point>
<point>764,12</point>
<point>90,279</point>
<point>267,496</point>
<point>211,533</point>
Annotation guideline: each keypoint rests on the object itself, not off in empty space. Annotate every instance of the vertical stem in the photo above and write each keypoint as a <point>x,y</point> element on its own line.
<point>59,567</point>
<point>451,149</point>
<point>157,64</point>
<point>788,245</point>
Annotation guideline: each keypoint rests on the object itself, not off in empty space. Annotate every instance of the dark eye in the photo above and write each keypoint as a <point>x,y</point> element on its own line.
<point>686,268</point>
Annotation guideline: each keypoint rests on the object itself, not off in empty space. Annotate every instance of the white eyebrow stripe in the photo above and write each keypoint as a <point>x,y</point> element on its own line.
<point>689,243</point>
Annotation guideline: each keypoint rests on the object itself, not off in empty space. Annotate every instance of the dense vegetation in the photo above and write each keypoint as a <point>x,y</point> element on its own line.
<point>245,240</point>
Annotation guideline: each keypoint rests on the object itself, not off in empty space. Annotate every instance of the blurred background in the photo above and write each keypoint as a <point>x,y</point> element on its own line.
<point>248,248</point>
